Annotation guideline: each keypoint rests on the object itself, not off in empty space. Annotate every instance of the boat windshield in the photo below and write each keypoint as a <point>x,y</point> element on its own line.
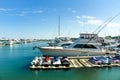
<point>85,46</point>
<point>65,45</point>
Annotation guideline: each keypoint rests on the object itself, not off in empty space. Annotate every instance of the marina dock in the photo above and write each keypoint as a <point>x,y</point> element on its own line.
<point>76,62</point>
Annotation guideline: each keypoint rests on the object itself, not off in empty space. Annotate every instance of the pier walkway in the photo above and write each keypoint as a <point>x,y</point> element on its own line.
<point>75,63</point>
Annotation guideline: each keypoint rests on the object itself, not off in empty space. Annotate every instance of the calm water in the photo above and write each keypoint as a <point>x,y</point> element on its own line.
<point>15,61</point>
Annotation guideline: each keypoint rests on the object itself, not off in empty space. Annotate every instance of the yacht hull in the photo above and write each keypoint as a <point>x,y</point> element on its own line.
<point>59,51</point>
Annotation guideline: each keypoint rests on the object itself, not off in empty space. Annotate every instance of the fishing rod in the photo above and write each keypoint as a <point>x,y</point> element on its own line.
<point>104,25</point>
<point>108,22</point>
<point>101,25</point>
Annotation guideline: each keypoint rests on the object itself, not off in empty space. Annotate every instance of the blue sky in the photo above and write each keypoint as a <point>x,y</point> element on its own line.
<point>39,18</point>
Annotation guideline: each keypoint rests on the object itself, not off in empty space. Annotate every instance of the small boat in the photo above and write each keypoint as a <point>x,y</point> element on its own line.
<point>37,61</point>
<point>56,61</point>
<point>46,61</point>
<point>65,61</point>
<point>105,60</point>
<point>114,59</point>
<point>95,60</point>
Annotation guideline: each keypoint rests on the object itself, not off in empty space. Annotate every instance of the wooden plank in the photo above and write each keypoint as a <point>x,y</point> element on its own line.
<point>75,65</point>
<point>85,63</point>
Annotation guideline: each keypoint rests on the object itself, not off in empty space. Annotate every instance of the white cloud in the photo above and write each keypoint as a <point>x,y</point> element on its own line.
<point>25,12</point>
<point>113,25</point>
<point>90,20</point>
<point>85,17</point>
<point>22,14</point>
<point>78,17</point>
<point>38,11</point>
<point>94,22</point>
<point>72,10</point>
<point>88,17</point>
<point>6,9</point>
<point>3,9</point>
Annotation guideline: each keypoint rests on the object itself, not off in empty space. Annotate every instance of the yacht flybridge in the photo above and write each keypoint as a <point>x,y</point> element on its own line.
<point>86,44</point>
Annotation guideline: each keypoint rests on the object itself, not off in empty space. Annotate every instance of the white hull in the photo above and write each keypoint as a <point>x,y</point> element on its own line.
<point>59,51</point>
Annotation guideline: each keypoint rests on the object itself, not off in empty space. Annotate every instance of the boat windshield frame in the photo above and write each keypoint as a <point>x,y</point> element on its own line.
<point>86,46</point>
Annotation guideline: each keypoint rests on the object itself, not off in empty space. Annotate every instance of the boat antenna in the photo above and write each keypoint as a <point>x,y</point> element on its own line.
<point>59,26</point>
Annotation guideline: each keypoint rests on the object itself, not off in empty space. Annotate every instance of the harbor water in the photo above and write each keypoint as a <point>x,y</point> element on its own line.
<point>15,61</point>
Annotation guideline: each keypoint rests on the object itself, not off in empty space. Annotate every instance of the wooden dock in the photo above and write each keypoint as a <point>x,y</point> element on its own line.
<point>75,63</point>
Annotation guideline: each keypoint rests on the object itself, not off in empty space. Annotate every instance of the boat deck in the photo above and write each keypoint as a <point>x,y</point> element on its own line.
<point>76,62</point>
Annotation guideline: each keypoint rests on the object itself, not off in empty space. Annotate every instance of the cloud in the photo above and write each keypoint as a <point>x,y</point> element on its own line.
<point>37,11</point>
<point>89,20</point>
<point>21,14</point>
<point>17,12</point>
<point>114,25</point>
<point>85,17</point>
<point>94,22</point>
<point>3,9</point>
<point>72,10</point>
<point>78,17</point>
<point>6,9</point>
<point>88,17</point>
<point>26,12</point>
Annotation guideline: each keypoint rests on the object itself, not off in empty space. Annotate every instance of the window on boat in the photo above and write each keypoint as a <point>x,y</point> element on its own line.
<point>65,44</point>
<point>85,46</point>
<point>118,46</point>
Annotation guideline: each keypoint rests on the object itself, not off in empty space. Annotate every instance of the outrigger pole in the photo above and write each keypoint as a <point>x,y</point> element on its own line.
<point>106,23</point>
<point>102,26</point>
<point>59,26</point>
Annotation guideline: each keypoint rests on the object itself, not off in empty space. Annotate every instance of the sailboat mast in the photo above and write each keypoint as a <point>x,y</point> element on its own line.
<point>59,26</point>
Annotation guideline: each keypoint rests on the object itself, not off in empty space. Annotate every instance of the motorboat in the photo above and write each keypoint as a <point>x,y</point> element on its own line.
<point>95,60</point>
<point>86,44</point>
<point>46,61</point>
<point>114,59</point>
<point>37,61</point>
<point>56,61</point>
<point>112,45</point>
<point>65,61</point>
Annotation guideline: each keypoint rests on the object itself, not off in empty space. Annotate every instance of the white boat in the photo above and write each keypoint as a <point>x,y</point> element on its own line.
<point>85,45</point>
<point>112,45</point>
<point>37,61</point>
<point>56,61</point>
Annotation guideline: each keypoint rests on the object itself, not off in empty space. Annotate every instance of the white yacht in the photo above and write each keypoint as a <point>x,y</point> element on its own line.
<point>86,44</point>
